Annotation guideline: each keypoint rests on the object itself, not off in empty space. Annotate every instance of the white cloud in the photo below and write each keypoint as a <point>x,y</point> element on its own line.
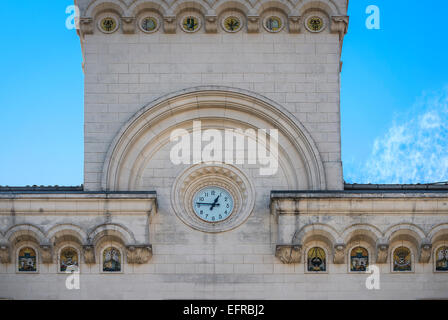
<point>414,149</point>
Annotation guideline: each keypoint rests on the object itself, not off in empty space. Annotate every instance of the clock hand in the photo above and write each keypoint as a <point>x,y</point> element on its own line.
<point>208,204</point>
<point>215,203</point>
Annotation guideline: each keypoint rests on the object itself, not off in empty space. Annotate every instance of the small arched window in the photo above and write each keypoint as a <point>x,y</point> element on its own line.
<point>402,259</point>
<point>359,259</point>
<point>441,258</point>
<point>317,260</point>
<point>27,260</point>
<point>68,259</point>
<point>111,260</point>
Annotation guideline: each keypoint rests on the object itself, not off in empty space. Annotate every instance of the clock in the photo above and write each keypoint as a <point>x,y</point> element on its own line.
<point>213,204</point>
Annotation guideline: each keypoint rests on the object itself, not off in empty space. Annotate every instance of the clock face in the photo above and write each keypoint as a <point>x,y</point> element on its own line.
<point>213,204</point>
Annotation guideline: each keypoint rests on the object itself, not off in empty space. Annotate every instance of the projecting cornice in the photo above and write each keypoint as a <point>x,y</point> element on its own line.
<point>77,203</point>
<point>349,202</point>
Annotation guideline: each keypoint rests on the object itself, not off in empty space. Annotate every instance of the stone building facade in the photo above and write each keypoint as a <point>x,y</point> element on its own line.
<point>133,229</point>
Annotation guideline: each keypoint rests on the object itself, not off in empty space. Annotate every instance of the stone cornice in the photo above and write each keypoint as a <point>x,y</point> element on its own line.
<point>80,203</point>
<point>368,203</point>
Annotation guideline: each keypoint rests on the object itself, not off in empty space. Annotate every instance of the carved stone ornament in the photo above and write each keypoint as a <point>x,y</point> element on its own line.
<point>128,25</point>
<point>139,254</point>
<point>339,253</point>
<point>295,25</point>
<point>425,252</point>
<point>89,254</point>
<point>5,256</point>
<point>86,25</point>
<point>253,24</point>
<point>339,24</point>
<point>382,251</point>
<point>46,254</point>
<point>169,24</point>
<point>289,253</point>
<point>211,24</point>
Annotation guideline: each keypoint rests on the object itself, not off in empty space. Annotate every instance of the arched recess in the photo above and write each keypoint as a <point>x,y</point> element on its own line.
<point>111,231</point>
<point>99,6</point>
<point>67,233</point>
<point>317,232</point>
<point>329,7</point>
<point>266,5</point>
<point>405,233</point>
<point>361,232</point>
<point>25,232</point>
<point>149,130</point>
<point>141,5</point>
<point>220,7</point>
<point>439,233</point>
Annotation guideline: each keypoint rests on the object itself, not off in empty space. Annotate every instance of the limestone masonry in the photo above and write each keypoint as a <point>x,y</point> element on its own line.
<point>135,230</point>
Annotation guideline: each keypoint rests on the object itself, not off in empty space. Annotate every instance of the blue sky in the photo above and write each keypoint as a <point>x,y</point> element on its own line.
<point>394,96</point>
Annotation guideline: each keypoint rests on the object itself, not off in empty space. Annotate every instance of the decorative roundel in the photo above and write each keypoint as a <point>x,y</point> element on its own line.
<point>191,23</point>
<point>273,24</point>
<point>315,24</point>
<point>149,24</point>
<point>213,198</point>
<point>108,24</point>
<point>232,24</point>
<point>213,204</point>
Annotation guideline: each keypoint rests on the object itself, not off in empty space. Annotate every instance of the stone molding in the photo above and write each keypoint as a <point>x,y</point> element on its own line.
<point>289,253</point>
<point>91,203</point>
<point>287,203</point>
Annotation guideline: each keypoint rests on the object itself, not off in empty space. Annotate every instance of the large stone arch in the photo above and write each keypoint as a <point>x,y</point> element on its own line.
<point>150,129</point>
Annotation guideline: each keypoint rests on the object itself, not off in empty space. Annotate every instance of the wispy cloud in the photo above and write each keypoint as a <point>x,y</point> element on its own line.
<point>413,150</point>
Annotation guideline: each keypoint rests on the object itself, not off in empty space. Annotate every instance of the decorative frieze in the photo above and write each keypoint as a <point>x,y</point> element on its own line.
<point>139,254</point>
<point>289,253</point>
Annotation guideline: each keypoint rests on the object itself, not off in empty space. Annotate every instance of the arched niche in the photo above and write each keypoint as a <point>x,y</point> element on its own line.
<point>143,137</point>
